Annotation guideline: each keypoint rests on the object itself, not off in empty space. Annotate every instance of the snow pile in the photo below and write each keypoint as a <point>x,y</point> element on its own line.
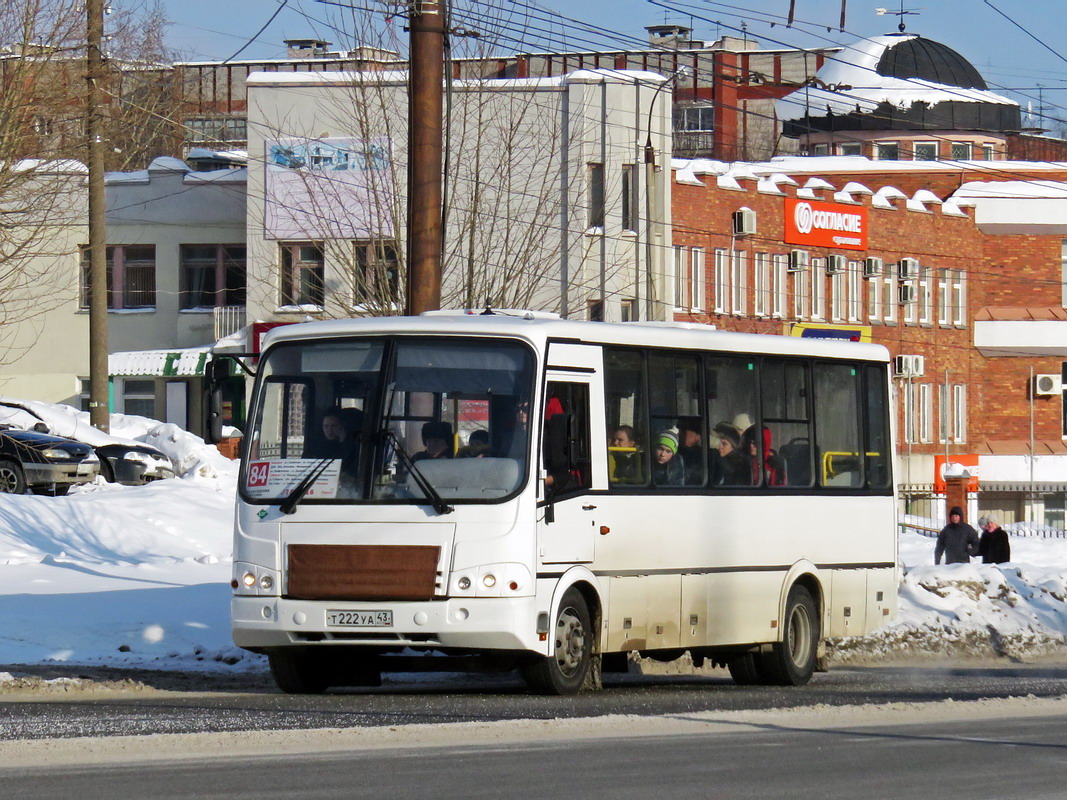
<point>1016,610</point>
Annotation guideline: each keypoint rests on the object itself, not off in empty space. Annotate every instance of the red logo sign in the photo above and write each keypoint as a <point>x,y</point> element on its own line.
<point>815,224</point>
<point>258,473</point>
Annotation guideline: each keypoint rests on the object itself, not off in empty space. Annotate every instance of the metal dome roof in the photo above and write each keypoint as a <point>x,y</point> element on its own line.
<point>915,57</point>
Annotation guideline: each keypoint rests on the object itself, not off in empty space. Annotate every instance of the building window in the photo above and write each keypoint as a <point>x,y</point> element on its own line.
<point>924,151</point>
<point>779,270</point>
<point>303,277</point>
<point>596,196</point>
<point>680,275</point>
<point>959,413</point>
<point>139,397</point>
<point>376,273</point>
<point>722,281</point>
<point>988,152</point>
<point>838,298</point>
<point>887,151</point>
<point>628,310</point>
<point>762,294</point>
<point>855,291</point>
<point>925,297</point>
<point>820,149</point>
<point>801,300</point>
<point>629,197</point>
<point>944,298</point>
<point>926,413</point>
<point>228,129</point>
<point>740,282</point>
<point>959,298</point>
<point>961,151</point>
<point>696,278</point>
<point>84,391</point>
<point>890,295</point>
<point>850,149</point>
<point>694,118</point>
<point>910,311</point>
<point>131,276</point>
<point>595,310</point>
<point>818,289</point>
<point>918,413</point>
<point>212,275</point>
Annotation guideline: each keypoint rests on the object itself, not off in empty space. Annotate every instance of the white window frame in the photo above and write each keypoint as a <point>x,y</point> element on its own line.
<point>855,291</point>
<point>722,281</point>
<point>944,420</point>
<point>680,276</point>
<point>925,296</point>
<point>878,150</point>
<point>779,269</point>
<point>926,412</point>
<point>959,298</point>
<point>915,154</point>
<point>818,289</point>
<point>850,149</point>
<point>944,298</point>
<point>874,298</point>
<point>762,295</point>
<point>890,295</point>
<point>696,278</point>
<point>910,313</point>
<point>910,394</point>
<point>740,282</point>
<point>838,295</point>
<point>801,299</point>
<point>959,413</point>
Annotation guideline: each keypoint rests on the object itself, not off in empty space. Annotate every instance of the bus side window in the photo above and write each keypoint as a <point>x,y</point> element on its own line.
<point>876,441</point>
<point>566,438</point>
<point>732,410</point>
<point>626,413</point>
<point>837,420</point>
<point>786,414</point>
<point>676,420</point>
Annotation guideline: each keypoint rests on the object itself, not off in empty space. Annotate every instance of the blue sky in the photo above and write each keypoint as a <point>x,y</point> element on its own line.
<point>1004,54</point>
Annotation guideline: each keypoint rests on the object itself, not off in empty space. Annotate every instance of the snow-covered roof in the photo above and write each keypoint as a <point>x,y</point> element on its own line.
<point>977,190</point>
<point>401,77</point>
<point>860,86</point>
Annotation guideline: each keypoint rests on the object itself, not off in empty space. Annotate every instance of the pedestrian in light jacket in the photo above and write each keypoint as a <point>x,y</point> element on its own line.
<point>957,541</point>
<point>993,545</point>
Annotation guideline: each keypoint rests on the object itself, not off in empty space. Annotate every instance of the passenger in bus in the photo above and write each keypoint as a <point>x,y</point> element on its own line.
<point>667,469</point>
<point>625,460</point>
<point>477,445</point>
<point>768,469</point>
<point>691,450</point>
<point>437,440</point>
<point>736,469</point>
<point>339,440</point>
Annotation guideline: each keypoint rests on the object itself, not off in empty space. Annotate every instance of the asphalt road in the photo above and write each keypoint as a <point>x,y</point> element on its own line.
<point>1000,758</point>
<point>251,704</point>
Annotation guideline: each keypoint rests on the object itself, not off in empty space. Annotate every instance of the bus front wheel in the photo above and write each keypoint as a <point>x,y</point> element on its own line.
<point>791,661</point>
<point>299,672</point>
<point>566,669</point>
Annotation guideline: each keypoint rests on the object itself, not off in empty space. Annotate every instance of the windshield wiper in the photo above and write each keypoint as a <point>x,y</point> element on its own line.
<point>289,504</point>
<point>438,502</point>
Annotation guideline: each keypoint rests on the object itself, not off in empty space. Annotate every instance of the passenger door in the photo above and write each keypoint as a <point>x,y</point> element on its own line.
<point>571,468</point>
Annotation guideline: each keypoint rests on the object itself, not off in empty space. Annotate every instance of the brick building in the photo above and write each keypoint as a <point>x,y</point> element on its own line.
<point>962,286</point>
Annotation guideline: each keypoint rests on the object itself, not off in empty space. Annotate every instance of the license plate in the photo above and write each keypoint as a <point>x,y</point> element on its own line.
<point>359,619</point>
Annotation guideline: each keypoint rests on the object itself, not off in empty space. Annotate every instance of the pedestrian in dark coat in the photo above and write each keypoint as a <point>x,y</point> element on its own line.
<point>993,545</point>
<point>957,541</point>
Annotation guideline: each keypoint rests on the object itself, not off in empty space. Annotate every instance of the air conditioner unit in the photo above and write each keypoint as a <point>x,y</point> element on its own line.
<point>909,366</point>
<point>835,265</point>
<point>798,260</point>
<point>744,222</point>
<point>1047,385</point>
<point>907,269</point>
<point>872,267</point>
<point>907,294</point>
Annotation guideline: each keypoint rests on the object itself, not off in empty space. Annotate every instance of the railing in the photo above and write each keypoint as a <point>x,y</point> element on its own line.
<point>228,320</point>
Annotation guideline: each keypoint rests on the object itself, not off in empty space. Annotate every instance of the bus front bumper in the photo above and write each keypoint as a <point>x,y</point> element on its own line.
<point>483,623</point>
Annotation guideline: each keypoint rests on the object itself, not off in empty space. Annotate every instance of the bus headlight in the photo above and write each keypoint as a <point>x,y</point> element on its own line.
<point>489,580</point>
<point>266,582</point>
<point>249,579</point>
<point>464,583</point>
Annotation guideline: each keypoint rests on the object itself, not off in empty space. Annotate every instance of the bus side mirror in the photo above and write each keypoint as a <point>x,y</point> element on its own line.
<point>217,371</point>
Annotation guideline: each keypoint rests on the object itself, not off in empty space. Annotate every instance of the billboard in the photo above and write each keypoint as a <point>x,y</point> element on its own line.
<point>332,188</point>
<point>811,223</point>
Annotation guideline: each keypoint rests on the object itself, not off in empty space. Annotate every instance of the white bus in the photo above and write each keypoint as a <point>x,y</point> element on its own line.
<point>549,495</point>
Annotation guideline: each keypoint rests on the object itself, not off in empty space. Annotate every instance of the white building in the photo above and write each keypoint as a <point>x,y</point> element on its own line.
<point>547,194</point>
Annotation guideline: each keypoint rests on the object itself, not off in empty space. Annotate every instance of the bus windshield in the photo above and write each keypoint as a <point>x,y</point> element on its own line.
<point>390,420</point>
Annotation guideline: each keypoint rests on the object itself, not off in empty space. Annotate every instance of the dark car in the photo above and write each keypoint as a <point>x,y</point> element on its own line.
<point>44,463</point>
<point>133,464</point>
<point>130,463</point>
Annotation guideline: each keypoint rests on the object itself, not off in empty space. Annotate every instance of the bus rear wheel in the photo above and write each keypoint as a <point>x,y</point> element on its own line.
<point>791,661</point>
<point>299,672</point>
<point>566,669</point>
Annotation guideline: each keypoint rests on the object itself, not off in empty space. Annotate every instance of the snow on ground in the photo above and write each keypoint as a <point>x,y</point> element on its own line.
<point>138,576</point>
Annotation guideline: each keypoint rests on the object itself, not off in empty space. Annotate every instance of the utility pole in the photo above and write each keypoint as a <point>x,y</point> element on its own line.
<point>94,74</point>
<point>426,25</point>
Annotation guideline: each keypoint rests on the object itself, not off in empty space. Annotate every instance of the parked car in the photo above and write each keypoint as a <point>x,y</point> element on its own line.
<point>43,463</point>
<point>129,463</point>
<point>133,464</point>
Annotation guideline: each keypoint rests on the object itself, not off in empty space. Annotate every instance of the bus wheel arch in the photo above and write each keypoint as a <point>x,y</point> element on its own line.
<point>573,660</point>
<point>792,660</point>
